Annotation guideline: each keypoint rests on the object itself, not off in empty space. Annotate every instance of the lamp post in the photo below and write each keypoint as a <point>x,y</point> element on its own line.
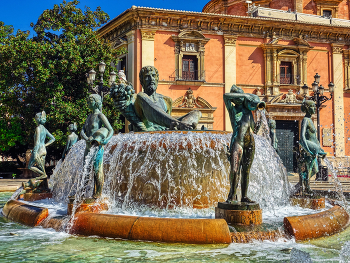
<point>99,88</point>
<point>319,99</point>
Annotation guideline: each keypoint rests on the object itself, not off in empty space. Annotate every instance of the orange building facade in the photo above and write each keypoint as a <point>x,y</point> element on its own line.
<point>268,47</point>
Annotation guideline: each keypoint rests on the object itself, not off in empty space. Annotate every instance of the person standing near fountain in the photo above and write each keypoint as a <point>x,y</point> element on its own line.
<point>240,106</point>
<point>95,134</point>
<point>37,159</point>
<point>150,111</point>
<point>310,147</point>
<point>71,140</point>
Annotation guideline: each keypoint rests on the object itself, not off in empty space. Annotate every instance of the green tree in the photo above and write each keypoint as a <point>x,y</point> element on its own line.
<point>47,72</point>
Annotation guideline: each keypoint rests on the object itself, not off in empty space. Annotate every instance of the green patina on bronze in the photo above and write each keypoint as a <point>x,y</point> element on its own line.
<point>310,148</point>
<point>148,110</point>
<point>72,139</point>
<point>37,159</point>
<point>242,147</point>
<point>95,134</point>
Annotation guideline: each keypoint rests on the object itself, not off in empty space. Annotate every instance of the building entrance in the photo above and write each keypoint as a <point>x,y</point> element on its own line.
<point>287,133</point>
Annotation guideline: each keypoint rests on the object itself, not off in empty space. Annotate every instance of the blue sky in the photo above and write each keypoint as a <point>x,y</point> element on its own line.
<point>20,13</point>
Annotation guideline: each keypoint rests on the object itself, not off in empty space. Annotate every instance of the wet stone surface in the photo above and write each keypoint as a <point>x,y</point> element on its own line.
<point>238,206</point>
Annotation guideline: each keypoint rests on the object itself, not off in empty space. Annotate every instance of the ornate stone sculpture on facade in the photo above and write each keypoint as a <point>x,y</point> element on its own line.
<point>242,147</point>
<point>189,100</point>
<point>71,140</point>
<point>290,98</point>
<point>95,134</point>
<point>148,110</point>
<point>37,158</point>
<point>310,147</point>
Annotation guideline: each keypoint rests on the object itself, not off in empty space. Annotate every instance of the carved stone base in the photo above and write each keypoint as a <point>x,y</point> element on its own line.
<point>88,205</point>
<point>310,203</point>
<point>36,196</point>
<point>239,213</point>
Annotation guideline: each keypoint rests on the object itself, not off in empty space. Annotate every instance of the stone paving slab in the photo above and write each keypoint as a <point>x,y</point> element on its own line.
<point>11,185</point>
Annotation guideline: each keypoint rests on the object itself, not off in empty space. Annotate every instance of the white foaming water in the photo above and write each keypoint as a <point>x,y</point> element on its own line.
<point>337,184</point>
<point>264,130</point>
<point>173,171</point>
<point>269,184</point>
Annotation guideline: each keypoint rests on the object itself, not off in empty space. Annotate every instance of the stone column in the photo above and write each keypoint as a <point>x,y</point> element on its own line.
<point>274,68</point>
<point>347,68</point>
<point>337,57</point>
<point>131,57</point>
<point>304,70</point>
<point>230,71</point>
<point>298,6</point>
<point>147,47</point>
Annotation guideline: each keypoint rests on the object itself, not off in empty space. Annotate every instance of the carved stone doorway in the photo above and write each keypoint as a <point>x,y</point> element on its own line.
<point>288,136</point>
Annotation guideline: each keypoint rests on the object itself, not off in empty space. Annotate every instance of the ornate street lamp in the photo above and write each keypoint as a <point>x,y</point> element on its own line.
<point>318,97</point>
<point>99,88</point>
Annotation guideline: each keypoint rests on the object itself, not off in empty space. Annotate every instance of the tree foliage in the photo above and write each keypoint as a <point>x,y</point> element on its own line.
<point>47,72</point>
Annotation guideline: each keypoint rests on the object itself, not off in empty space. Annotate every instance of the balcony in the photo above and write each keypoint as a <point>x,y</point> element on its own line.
<point>196,77</point>
<point>286,79</point>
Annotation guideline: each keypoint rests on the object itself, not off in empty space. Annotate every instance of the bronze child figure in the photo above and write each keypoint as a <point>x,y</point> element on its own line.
<point>94,133</point>
<point>242,148</point>
<point>71,140</point>
<point>37,158</point>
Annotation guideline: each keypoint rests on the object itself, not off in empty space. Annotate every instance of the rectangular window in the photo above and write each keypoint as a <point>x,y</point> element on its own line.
<point>327,13</point>
<point>189,68</point>
<point>122,64</point>
<point>286,76</point>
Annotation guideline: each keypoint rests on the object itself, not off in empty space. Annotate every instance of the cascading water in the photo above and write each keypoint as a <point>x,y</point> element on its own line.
<point>337,184</point>
<point>172,170</point>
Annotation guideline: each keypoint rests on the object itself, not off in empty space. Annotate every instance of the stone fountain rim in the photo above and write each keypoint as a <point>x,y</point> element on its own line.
<point>170,230</point>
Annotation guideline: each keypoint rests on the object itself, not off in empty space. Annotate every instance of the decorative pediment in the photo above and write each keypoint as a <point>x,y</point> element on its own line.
<point>289,98</point>
<point>190,101</point>
<point>301,42</point>
<point>288,52</point>
<point>191,36</point>
<point>119,43</point>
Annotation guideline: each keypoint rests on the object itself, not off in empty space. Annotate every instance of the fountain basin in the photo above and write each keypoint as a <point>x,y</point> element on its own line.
<point>176,230</point>
<point>24,214</point>
<point>317,225</point>
<point>170,230</point>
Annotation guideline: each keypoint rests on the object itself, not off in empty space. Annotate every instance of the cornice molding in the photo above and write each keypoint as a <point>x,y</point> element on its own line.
<point>173,21</point>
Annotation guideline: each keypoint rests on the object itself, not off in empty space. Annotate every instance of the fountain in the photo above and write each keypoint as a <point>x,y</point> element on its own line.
<point>163,185</point>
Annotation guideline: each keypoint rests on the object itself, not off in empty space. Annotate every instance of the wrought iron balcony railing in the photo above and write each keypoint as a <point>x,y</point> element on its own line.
<point>196,75</point>
<point>286,79</point>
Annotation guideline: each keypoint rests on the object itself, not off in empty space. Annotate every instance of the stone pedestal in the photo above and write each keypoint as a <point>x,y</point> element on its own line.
<point>36,196</point>
<point>238,213</point>
<point>88,205</point>
<point>308,202</point>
